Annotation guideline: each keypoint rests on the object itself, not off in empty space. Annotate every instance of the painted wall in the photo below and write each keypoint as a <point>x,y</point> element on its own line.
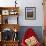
<point>27,3</point>
<point>39,13</point>
<point>37,29</point>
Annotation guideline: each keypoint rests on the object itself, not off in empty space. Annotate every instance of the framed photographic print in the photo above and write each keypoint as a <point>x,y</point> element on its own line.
<point>30,13</point>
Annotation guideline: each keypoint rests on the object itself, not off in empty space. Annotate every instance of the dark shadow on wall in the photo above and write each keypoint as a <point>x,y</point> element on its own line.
<point>37,29</point>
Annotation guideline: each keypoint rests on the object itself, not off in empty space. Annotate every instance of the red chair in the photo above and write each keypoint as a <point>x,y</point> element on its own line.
<point>29,33</point>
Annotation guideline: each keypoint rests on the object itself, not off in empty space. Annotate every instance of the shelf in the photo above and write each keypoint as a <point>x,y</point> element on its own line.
<point>11,41</point>
<point>10,26</point>
<point>9,10</point>
<point>7,23</point>
<point>4,8</point>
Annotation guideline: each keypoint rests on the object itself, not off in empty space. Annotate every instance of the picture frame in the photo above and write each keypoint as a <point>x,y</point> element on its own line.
<point>5,12</point>
<point>30,13</point>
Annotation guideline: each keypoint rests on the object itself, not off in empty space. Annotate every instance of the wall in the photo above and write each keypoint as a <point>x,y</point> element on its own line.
<point>27,3</point>
<point>37,30</point>
<point>39,13</point>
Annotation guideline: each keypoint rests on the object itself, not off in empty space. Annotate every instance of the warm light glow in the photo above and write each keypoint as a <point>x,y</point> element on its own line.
<point>12,10</point>
<point>15,30</point>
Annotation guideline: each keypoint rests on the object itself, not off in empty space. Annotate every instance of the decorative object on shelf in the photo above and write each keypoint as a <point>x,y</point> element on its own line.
<point>7,34</point>
<point>15,30</point>
<point>5,12</point>
<point>15,3</point>
<point>9,10</point>
<point>30,13</point>
<point>13,12</point>
<point>15,34</point>
<point>6,21</point>
<point>15,37</point>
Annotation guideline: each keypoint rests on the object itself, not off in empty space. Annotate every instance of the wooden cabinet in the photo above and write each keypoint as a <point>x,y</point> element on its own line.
<point>9,25</point>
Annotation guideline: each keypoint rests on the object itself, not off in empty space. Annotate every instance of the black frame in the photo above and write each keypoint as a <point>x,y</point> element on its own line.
<point>33,13</point>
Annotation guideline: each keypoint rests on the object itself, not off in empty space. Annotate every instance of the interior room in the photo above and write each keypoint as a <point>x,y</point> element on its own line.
<point>22,23</point>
